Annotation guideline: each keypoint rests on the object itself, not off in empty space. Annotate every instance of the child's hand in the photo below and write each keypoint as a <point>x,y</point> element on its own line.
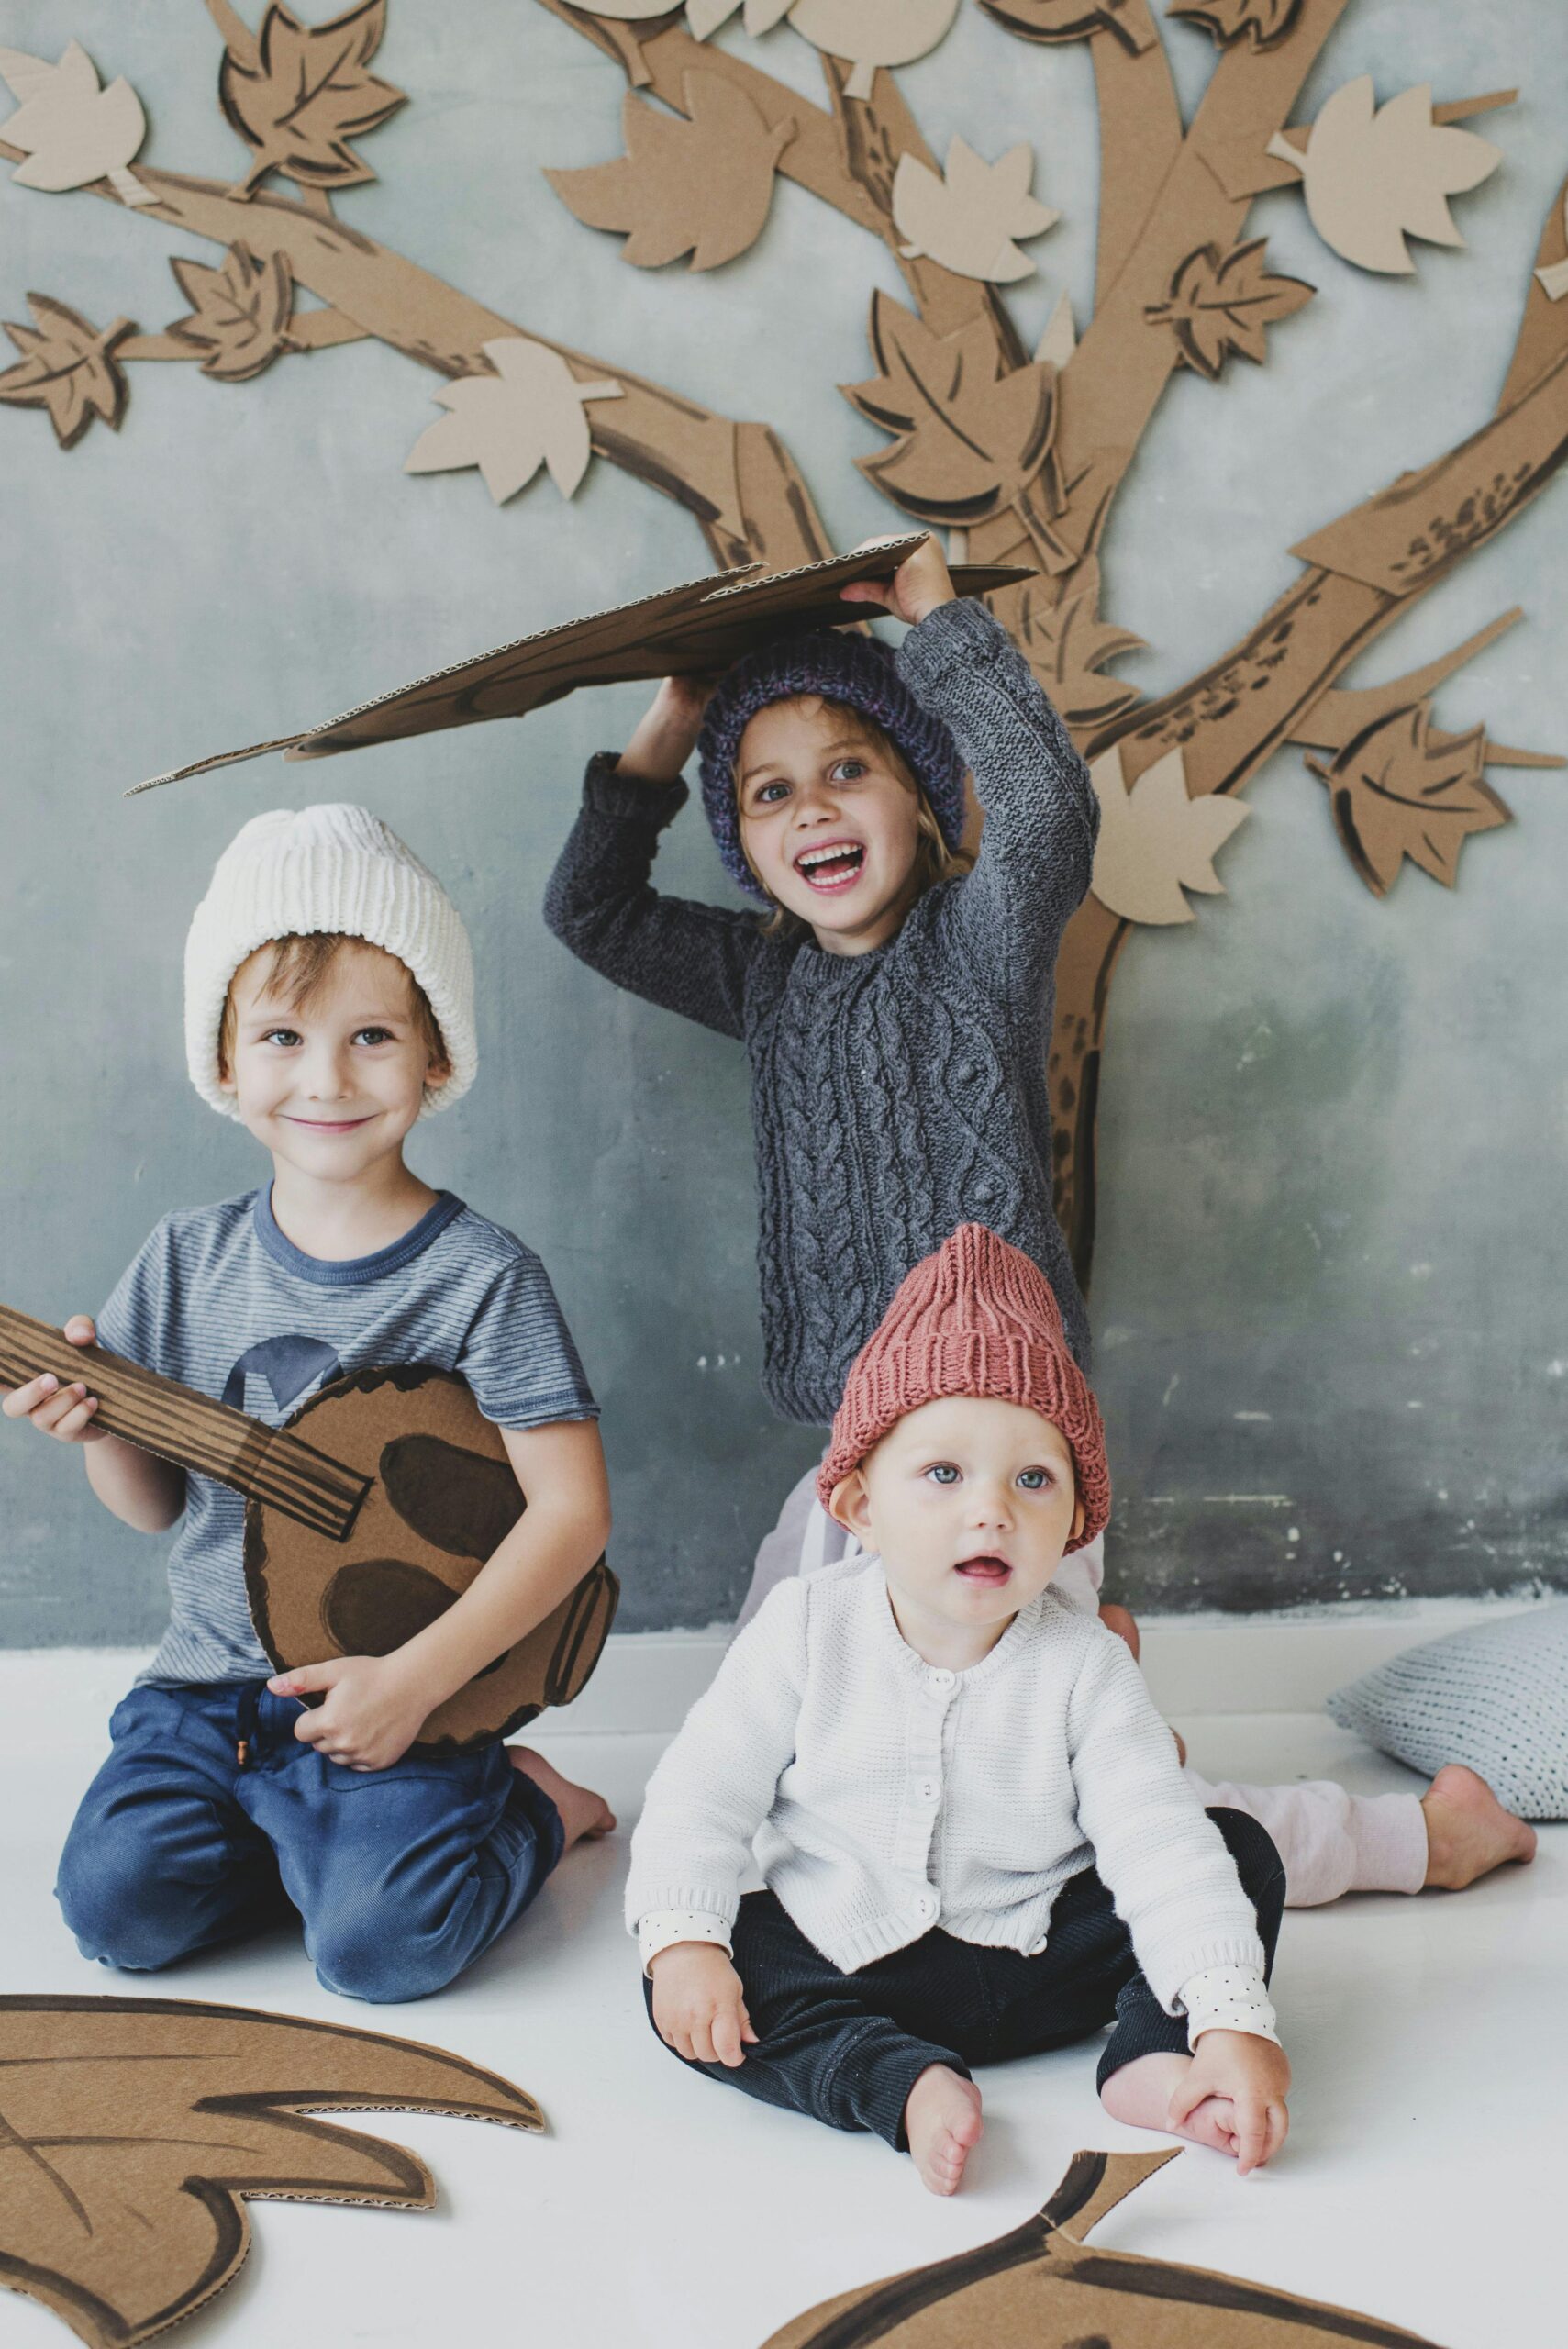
<point>1248,2074</point>
<point>373,1712</point>
<point>64,1412</point>
<point>921,582</point>
<point>699,2006</point>
<point>667,733</point>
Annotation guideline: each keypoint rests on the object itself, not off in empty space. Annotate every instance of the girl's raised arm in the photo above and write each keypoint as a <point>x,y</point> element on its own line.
<point>1041,816</point>
<point>688,958</point>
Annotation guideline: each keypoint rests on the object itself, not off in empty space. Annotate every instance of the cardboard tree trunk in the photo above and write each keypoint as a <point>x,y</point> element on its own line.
<point>1042,2288</point>
<point>133,2132</point>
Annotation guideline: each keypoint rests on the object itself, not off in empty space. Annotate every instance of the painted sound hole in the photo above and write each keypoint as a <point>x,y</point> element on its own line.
<point>373,1606</point>
<point>455,1499</point>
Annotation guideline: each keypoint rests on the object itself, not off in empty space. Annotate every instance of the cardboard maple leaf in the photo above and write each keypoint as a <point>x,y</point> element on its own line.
<point>527,414</point>
<point>1042,2287</point>
<point>133,2131</point>
<point>1374,175</point>
<point>1267,21</point>
<point>703,17</point>
<point>304,92</point>
<point>1067,645</point>
<point>1396,792</point>
<point>869,33</point>
<point>1218,306</point>
<point>68,368</point>
<point>702,183</point>
<point>73,132</point>
<point>1156,842</point>
<point>970,439</point>
<point>968,216</point>
<point>239,311</point>
<point>1064,20</point>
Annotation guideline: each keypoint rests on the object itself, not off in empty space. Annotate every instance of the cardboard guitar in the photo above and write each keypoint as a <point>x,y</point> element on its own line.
<point>702,625</point>
<point>361,1532</point>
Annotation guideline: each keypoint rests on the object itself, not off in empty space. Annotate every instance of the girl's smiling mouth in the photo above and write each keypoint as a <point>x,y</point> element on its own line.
<point>831,865</point>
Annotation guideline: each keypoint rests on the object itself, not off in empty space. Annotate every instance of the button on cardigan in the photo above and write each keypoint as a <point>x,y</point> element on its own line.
<point>885,1796</point>
<point>898,1093</point>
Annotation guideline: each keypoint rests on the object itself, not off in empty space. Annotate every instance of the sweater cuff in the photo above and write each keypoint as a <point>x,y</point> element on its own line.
<point>1227,1998</point>
<point>955,636</point>
<point>629,796</point>
<point>660,1928</point>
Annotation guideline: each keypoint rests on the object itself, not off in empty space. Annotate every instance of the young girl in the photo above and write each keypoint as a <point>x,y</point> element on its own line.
<point>976,1838</point>
<point>896,1004</point>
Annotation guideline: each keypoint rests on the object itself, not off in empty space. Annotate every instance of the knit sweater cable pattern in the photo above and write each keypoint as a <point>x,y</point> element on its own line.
<point>884,1796</point>
<point>898,1093</point>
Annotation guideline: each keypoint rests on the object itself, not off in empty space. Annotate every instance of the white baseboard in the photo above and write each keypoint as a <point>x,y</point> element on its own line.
<point>647,1680</point>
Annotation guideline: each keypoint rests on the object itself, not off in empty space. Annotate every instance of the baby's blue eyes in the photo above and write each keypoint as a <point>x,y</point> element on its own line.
<point>1032,1480</point>
<point>772,791</point>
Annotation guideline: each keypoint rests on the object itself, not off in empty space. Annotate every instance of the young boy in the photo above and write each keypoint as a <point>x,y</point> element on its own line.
<point>975,1835</point>
<point>328,1005</point>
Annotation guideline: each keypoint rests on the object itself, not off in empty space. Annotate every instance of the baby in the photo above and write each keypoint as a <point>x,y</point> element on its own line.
<point>973,1829</point>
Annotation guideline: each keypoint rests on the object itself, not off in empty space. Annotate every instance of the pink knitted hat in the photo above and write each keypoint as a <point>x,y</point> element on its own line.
<point>977,1318</point>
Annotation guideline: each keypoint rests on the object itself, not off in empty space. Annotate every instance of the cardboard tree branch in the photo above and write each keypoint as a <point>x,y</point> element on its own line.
<point>687,630</point>
<point>134,2132</point>
<point>1041,2288</point>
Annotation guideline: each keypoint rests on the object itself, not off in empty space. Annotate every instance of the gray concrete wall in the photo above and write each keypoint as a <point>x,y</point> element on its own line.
<point>1330,1287</point>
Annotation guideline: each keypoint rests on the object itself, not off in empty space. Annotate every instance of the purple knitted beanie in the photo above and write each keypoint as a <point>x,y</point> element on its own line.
<point>842,666</point>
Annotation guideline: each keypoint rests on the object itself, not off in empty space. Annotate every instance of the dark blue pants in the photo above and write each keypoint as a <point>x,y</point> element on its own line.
<point>402,1877</point>
<point>849,2047</point>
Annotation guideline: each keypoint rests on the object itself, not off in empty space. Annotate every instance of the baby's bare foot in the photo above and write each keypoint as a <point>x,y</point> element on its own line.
<point>1140,2093</point>
<point>583,1814</point>
<point>1469,1833</point>
<point>942,2123</point>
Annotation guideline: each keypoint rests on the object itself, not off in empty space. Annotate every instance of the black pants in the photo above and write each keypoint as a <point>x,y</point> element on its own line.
<point>849,2047</point>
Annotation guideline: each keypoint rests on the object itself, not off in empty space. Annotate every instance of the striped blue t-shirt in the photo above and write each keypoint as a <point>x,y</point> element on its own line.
<point>221,1300</point>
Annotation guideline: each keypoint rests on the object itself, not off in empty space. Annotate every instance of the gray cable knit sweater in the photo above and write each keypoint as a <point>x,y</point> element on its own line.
<point>895,1094</point>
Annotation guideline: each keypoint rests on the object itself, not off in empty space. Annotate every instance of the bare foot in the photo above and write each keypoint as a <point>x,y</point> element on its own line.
<point>583,1814</point>
<point>942,2123</point>
<point>1141,2095</point>
<point>1118,1620</point>
<point>1468,1831</point>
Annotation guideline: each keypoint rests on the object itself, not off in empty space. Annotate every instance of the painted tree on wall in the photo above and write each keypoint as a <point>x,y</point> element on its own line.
<point>1020,456</point>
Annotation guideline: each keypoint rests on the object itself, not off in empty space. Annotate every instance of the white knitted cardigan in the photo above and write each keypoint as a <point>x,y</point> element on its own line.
<point>886,1796</point>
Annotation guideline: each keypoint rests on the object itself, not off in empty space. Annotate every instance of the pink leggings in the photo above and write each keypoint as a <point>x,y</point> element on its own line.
<point>1330,1842</point>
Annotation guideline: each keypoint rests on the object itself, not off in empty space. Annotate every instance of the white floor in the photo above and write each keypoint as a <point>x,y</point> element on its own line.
<point>1424,2181</point>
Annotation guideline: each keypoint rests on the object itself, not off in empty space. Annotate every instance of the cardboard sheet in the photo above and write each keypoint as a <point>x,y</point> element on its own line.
<point>1041,2288</point>
<point>967,216</point>
<point>869,33</point>
<point>701,624</point>
<point>137,2130</point>
<point>701,182</point>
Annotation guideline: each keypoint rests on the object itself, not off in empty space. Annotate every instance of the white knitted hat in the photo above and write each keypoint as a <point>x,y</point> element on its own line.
<point>296,872</point>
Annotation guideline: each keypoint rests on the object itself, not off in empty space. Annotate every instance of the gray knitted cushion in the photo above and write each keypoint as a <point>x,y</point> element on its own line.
<point>1494,1697</point>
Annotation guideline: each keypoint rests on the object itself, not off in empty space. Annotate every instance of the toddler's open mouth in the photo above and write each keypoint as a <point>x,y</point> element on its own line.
<point>832,864</point>
<point>989,1570</point>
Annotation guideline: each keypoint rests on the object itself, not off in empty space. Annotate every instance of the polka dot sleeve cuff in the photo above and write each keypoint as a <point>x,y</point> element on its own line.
<point>661,1927</point>
<point>1227,1998</point>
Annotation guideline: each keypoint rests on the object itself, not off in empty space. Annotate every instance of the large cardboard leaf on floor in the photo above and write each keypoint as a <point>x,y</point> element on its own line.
<point>687,630</point>
<point>134,2130</point>
<point>1042,2288</point>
